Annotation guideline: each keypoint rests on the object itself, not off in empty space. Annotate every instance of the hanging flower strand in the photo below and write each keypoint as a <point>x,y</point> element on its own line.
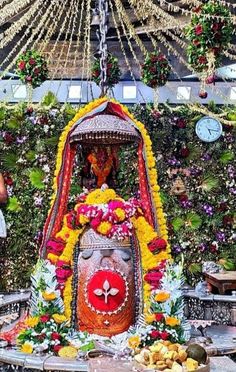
<point>32,68</point>
<point>208,38</point>
<point>113,71</point>
<point>155,72</point>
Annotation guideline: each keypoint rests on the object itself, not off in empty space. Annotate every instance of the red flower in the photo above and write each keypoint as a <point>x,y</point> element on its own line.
<point>198,30</point>
<point>202,60</point>
<point>41,337</point>
<point>29,78</point>
<point>96,73</point>
<point>95,223</point>
<point>181,123</point>
<point>55,336</point>
<point>153,69</point>
<point>44,318</point>
<point>159,317</point>
<point>197,9</point>
<point>196,42</point>
<point>155,334</point>
<point>203,94</point>
<point>7,179</point>
<point>153,278</point>
<point>156,114</point>
<point>184,152</point>
<point>183,198</point>
<point>8,138</point>
<point>63,273</point>
<point>154,58</point>
<point>61,263</point>
<point>213,248</point>
<point>164,335</point>
<point>21,65</point>
<point>70,220</point>
<point>223,207</point>
<point>157,244</point>
<point>32,61</point>
<point>153,83</point>
<point>57,348</point>
<point>210,79</point>
<point>36,71</point>
<point>228,220</point>
<point>55,246</point>
<point>216,26</point>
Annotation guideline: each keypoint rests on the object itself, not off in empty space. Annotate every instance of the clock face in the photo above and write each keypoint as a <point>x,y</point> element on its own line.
<point>208,129</point>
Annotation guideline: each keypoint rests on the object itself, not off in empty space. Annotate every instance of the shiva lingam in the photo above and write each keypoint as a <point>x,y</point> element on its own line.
<point>105,302</point>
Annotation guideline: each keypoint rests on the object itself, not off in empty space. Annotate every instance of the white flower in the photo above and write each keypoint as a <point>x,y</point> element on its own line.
<point>46,168</point>
<point>46,128</point>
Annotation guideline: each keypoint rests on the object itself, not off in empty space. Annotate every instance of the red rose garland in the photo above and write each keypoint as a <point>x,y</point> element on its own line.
<point>209,35</point>
<point>32,68</point>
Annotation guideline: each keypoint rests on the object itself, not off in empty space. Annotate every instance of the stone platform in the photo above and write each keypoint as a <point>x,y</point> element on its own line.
<point>12,360</point>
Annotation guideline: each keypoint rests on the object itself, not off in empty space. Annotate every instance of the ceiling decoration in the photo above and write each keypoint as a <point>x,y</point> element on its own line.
<point>64,31</point>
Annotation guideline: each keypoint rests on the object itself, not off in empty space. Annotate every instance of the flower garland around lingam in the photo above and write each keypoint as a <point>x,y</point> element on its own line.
<point>115,218</point>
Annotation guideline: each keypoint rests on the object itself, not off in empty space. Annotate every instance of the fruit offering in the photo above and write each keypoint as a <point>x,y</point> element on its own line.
<point>168,357</point>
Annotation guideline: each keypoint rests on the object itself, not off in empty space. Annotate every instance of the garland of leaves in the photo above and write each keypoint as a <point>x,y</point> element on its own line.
<point>32,68</point>
<point>113,71</point>
<point>155,70</point>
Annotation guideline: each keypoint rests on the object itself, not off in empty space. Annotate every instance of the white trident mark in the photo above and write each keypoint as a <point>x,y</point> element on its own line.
<point>107,291</point>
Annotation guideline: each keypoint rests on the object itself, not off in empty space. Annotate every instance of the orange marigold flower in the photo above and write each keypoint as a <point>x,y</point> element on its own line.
<point>172,321</point>
<point>162,296</point>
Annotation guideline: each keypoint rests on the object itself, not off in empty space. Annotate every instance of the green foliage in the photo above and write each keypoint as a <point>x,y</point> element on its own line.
<point>49,100</point>
<point>14,205</point>
<point>113,71</point>
<point>209,183</point>
<point>202,219</point>
<point>207,35</point>
<point>226,157</point>
<point>28,161</point>
<point>36,178</point>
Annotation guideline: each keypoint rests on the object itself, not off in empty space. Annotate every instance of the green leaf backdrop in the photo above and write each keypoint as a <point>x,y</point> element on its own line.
<point>201,220</point>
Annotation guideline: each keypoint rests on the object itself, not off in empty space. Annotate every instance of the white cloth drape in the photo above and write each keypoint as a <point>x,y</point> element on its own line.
<point>3,230</point>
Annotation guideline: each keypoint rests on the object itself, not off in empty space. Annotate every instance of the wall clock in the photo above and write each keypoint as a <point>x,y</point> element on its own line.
<point>208,129</point>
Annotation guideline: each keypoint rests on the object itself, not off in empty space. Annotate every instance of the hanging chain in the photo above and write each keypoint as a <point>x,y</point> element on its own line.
<point>103,52</point>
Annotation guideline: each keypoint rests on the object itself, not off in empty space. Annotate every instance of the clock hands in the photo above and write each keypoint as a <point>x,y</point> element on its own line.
<point>212,130</point>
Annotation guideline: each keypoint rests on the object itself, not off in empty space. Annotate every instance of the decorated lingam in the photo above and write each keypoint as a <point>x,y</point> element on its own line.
<point>105,267</point>
<point>97,247</point>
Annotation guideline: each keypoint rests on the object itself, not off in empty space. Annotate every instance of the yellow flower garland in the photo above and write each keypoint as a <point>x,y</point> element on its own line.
<point>145,234</point>
<point>71,237</point>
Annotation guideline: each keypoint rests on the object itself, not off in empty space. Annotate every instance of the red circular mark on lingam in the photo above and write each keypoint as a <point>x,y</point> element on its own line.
<point>106,291</point>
